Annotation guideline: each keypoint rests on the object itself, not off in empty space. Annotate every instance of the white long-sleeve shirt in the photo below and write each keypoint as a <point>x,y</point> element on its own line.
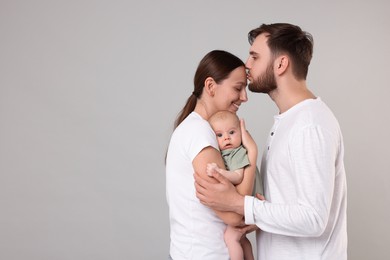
<point>304,215</point>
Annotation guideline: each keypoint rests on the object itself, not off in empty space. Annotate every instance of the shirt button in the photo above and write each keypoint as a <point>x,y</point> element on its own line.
<point>272,133</point>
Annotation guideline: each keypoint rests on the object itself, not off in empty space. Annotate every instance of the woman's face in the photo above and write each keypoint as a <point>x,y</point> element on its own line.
<point>231,92</point>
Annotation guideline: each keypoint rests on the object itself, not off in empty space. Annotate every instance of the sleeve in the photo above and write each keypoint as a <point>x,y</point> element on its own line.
<point>200,137</point>
<point>248,210</point>
<point>312,155</point>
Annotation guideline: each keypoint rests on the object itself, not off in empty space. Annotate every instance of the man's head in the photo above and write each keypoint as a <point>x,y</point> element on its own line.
<point>268,43</point>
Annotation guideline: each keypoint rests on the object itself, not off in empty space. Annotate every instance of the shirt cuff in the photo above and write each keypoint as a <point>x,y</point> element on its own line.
<point>248,210</point>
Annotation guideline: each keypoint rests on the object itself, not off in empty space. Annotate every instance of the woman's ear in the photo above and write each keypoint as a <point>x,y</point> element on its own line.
<point>209,86</point>
<point>281,64</point>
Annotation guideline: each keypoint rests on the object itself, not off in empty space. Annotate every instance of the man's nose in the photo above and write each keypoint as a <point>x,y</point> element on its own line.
<point>248,63</point>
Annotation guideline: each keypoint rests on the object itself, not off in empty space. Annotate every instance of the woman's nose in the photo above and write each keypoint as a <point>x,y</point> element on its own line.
<point>243,95</point>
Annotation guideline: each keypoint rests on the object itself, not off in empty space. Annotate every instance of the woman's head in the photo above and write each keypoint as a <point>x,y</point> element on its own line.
<point>217,65</point>
<point>218,76</point>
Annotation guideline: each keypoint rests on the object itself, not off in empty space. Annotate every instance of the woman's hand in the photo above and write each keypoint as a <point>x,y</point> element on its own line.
<point>248,142</point>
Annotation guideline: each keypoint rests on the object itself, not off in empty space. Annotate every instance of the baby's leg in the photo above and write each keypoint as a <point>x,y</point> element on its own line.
<point>232,240</point>
<point>247,248</point>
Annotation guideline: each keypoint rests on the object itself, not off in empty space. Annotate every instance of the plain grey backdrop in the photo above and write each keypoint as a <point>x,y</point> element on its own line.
<point>89,91</point>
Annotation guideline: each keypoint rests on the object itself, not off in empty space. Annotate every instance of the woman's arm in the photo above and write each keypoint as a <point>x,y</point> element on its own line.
<point>246,186</point>
<point>212,155</point>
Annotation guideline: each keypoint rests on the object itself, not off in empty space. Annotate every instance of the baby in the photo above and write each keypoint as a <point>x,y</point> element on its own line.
<point>226,126</point>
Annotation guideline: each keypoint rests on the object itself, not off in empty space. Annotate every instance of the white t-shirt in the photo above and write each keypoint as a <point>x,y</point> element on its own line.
<point>196,231</point>
<point>304,215</point>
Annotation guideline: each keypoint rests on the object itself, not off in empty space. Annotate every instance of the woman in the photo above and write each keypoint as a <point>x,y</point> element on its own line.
<point>196,230</point>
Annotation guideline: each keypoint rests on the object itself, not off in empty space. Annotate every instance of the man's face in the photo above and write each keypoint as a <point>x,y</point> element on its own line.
<point>260,67</point>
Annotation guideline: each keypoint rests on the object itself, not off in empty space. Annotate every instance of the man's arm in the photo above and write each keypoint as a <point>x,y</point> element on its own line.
<point>312,154</point>
<point>307,217</point>
<point>218,193</point>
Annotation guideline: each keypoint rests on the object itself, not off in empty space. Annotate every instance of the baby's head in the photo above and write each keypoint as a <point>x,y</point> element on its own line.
<point>226,126</point>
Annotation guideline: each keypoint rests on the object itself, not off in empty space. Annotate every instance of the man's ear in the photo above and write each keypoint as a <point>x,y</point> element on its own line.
<point>281,64</point>
<point>209,86</point>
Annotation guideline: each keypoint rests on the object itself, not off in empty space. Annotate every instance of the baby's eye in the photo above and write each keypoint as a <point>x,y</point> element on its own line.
<point>219,135</point>
<point>232,132</point>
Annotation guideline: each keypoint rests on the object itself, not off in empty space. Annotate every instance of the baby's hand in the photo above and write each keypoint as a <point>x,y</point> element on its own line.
<point>211,167</point>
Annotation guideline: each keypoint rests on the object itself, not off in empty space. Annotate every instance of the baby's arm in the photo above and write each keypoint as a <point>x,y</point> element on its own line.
<point>234,177</point>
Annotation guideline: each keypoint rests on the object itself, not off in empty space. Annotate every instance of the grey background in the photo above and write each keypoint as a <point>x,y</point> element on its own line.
<point>89,91</point>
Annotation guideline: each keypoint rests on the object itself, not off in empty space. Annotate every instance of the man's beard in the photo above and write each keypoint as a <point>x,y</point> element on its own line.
<point>264,83</point>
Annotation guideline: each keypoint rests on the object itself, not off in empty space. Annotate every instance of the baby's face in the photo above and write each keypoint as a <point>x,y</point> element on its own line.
<point>228,133</point>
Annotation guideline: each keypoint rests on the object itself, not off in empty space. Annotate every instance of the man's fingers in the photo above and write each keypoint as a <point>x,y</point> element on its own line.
<point>197,178</point>
<point>247,229</point>
<point>199,191</point>
<point>199,182</point>
<point>259,196</point>
<point>201,187</point>
<point>219,177</point>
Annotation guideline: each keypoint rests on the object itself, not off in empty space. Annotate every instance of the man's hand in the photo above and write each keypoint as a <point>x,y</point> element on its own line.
<point>221,196</point>
<point>246,229</point>
<point>259,196</point>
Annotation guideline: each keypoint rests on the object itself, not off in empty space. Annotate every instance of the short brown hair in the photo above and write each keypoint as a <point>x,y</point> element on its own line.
<point>284,38</point>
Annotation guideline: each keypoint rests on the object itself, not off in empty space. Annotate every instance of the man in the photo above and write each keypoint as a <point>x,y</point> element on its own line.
<point>303,215</point>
